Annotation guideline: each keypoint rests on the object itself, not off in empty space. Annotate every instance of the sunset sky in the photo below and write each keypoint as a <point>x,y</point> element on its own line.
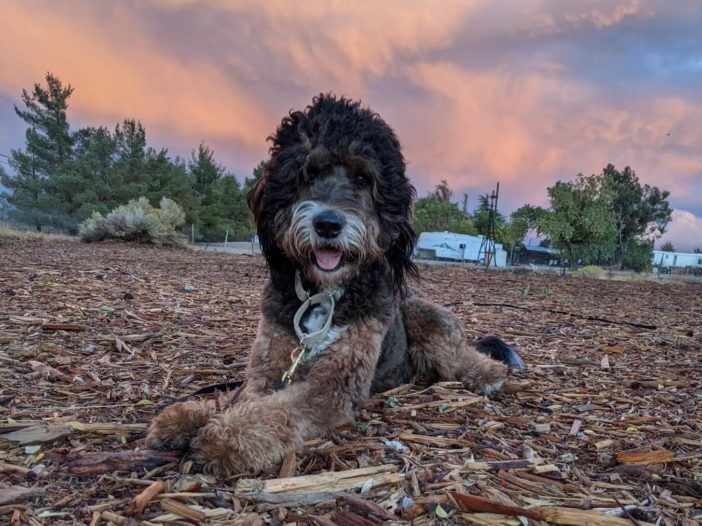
<point>520,92</point>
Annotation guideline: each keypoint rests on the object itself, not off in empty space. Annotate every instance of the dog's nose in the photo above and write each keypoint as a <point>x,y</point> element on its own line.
<point>328,223</point>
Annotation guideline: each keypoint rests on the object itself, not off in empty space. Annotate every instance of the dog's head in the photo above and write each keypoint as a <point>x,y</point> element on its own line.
<point>334,196</point>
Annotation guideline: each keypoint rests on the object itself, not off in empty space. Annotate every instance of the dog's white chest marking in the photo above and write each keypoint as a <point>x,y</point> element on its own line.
<point>314,322</point>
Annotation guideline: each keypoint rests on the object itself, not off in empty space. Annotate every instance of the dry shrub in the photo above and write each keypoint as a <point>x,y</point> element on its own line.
<point>591,272</point>
<point>17,232</point>
<point>137,221</point>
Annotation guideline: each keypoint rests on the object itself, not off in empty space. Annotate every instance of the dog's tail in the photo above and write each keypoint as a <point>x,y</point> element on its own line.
<point>499,350</point>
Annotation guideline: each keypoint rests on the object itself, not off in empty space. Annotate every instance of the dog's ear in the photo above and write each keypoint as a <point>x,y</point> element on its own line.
<point>256,201</point>
<point>399,256</point>
<point>263,206</point>
<point>255,196</point>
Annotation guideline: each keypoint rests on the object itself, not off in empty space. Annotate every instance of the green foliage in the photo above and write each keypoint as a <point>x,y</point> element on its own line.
<point>137,221</point>
<point>638,256</point>
<point>667,247</point>
<point>481,218</point>
<point>580,219</point>
<point>436,213</point>
<point>641,212</point>
<point>521,221</point>
<point>431,214</point>
<point>61,177</point>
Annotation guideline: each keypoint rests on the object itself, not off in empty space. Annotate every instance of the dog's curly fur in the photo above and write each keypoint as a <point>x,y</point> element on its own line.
<point>334,205</point>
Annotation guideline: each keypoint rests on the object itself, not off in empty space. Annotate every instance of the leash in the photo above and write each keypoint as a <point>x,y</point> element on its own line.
<point>327,299</point>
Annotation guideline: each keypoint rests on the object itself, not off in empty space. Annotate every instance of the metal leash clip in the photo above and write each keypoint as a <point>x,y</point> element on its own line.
<point>296,357</point>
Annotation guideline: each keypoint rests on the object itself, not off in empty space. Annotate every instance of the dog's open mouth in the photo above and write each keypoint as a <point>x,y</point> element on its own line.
<point>328,259</point>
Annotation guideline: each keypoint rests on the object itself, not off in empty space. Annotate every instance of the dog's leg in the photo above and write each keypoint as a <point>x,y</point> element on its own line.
<point>439,350</point>
<point>256,434</point>
<point>180,422</point>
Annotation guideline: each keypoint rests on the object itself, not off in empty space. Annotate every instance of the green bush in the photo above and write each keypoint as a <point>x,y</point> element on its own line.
<point>137,221</point>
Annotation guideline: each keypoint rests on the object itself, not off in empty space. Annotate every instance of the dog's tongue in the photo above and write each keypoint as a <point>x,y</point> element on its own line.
<point>327,259</point>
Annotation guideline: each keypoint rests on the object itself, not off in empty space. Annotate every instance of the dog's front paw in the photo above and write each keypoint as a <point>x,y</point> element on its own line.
<point>176,425</point>
<point>214,451</point>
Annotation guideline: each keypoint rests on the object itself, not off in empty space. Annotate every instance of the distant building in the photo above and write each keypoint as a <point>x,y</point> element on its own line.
<point>537,255</point>
<point>668,260</point>
<point>449,246</point>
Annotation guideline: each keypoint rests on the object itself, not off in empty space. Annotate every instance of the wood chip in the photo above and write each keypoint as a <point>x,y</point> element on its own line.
<point>142,500</point>
<point>148,343</point>
<point>323,482</point>
<point>645,457</point>
<point>13,494</point>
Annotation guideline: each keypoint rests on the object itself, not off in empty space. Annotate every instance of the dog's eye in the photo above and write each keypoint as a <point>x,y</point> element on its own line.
<point>310,171</point>
<point>360,180</point>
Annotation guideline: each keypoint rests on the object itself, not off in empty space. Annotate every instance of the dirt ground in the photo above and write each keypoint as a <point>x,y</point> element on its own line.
<point>605,426</point>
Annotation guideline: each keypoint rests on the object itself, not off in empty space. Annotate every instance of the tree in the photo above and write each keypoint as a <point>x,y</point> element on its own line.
<point>249,182</point>
<point>166,177</point>
<point>130,137</point>
<point>524,219</point>
<point>47,151</point>
<point>204,169</point>
<point>62,177</point>
<point>641,212</point>
<point>698,250</point>
<point>431,214</point>
<point>436,213</point>
<point>638,256</point>
<point>481,218</point>
<point>205,173</point>
<point>668,247</point>
<point>87,182</point>
<point>580,219</point>
<point>235,210</point>
<point>442,191</point>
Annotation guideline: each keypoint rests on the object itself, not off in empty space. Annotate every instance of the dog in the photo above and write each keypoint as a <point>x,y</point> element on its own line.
<point>339,321</point>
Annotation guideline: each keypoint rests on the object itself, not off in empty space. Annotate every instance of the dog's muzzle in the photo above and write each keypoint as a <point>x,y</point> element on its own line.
<point>327,225</point>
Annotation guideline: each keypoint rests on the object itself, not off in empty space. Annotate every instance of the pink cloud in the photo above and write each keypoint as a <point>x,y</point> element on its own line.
<point>476,92</point>
<point>117,76</point>
<point>685,231</point>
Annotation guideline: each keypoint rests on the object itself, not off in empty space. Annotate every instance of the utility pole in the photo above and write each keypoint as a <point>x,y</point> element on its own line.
<point>487,245</point>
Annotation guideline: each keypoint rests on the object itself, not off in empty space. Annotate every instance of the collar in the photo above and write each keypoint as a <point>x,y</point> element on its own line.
<point>327,298</point>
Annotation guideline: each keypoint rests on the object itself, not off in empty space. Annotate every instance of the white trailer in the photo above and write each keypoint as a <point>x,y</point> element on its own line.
<point>676,259</point>
<point>456,247</point>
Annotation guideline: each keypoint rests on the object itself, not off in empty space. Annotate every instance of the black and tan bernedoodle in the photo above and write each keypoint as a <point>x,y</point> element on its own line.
<point>339,322</point>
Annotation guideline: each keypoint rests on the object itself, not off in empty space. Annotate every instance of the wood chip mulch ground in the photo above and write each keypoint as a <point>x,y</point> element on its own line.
<point>604,428</point>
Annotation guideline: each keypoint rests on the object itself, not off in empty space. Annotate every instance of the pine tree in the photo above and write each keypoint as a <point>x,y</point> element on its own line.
<point>94,158</point>
<point>47,152</point>
<point>204,174</point>
<point>131,160</point>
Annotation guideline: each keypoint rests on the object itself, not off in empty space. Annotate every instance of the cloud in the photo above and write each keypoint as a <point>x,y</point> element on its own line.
<point>684,231</point>
<point>117,76</point>
<point>521,92</point>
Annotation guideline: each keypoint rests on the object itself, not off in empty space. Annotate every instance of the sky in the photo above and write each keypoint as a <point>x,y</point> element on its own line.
<point>479,91</point>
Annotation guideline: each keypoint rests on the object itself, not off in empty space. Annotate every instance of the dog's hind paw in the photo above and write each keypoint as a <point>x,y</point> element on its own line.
<point>176,425</point>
